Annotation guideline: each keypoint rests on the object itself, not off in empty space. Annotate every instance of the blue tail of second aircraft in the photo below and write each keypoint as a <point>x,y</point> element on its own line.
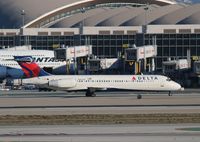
<point>29,67</point>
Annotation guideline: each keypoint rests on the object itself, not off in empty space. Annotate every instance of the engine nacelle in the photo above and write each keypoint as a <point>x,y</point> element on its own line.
<point>65,83</point>
<point>3,72</point>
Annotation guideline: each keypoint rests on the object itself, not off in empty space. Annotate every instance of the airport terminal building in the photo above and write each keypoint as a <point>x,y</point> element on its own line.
<point>107,25</point>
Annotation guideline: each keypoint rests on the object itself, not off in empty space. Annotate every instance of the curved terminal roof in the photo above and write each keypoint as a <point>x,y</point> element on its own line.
<point>193,19</point>
<point>76,19</point>
<point>176,16</point>
<point>96,19</point>
<point>151,15</point>
<point>118,19</point>
<point>72,13</point>
<point>42,13</point>
<point>132,16</point>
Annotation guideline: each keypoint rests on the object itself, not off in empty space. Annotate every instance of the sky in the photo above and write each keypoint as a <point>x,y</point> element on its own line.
<point>189,1</point>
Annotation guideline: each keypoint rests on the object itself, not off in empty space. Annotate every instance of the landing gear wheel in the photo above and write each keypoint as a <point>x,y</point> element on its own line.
<point>90,94</point>
<point>93,95</point>
<point>87,94</point>
<point>169,94</point>
<point>42,89</point>
<point>139,96</point>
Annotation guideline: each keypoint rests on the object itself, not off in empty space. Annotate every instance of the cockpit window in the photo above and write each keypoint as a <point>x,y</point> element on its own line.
<point>168,79</point>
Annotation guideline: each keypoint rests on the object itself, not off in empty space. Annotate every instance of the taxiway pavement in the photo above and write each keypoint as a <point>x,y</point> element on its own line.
<point>59,103</point>
<point>102,133</point>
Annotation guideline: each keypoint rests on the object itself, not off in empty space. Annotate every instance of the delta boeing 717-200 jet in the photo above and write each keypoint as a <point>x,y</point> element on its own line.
<point>91,83</point>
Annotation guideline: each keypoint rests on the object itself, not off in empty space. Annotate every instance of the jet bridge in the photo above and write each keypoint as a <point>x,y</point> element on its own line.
<point>76,57</point>
<point>143,55</point>
<point>111,65</point>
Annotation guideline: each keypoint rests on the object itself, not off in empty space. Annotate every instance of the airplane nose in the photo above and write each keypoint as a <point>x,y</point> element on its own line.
<point>177,86</point>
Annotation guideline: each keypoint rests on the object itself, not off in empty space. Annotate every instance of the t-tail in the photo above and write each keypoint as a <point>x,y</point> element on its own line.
<point>29,67</point>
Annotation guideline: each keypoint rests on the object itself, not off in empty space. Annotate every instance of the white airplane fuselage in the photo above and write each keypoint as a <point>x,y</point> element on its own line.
<point>98,82</point>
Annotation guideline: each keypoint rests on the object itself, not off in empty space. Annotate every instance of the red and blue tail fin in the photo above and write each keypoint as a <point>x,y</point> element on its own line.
<point>29,67</point>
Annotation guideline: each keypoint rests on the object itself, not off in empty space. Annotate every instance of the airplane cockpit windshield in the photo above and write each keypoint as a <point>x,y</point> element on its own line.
<point>168,79</point>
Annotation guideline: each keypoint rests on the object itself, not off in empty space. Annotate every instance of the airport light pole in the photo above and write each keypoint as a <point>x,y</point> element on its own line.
<point>23,17</point>
<point>145,31</point>
<point>146,8</point>
<point>26,40</point>
<point>86,39</point>
<point>75,61</point>
<point>82,22</point>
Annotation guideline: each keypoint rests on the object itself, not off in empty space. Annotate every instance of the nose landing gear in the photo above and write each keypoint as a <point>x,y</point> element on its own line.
<point>139,96</point>
<point>169,94</point>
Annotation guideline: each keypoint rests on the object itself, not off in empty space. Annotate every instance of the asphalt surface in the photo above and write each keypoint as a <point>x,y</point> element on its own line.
<point>101,133</point>
<point>59,103</point>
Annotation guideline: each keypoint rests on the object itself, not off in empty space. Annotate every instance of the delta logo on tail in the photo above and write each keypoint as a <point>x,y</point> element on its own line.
<point>29,67</point>
<point>144,78</point>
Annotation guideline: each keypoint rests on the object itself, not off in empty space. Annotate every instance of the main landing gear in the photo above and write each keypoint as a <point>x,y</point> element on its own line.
<point>46,90</point>
<point>169,94</point>
<point>90,93</point>
<point>139,96</point>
